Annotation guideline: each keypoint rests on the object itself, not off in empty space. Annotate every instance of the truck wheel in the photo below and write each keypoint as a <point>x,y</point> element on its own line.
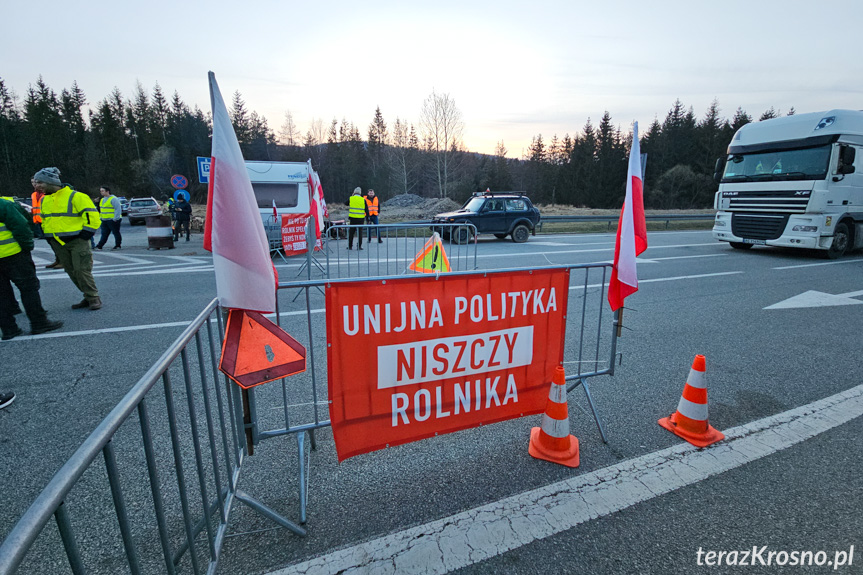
<point>500,236</point>
<point>841,241</point>
<point>520,234</point>
<point>740,246</point>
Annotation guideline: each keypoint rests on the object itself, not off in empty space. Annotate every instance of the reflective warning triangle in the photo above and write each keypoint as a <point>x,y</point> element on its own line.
<point>256,350</point>
<point>432,258</point>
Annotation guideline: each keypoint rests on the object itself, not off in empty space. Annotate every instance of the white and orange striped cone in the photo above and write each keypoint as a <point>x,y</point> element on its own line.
<point>690,419</point>
<point>552,441</point>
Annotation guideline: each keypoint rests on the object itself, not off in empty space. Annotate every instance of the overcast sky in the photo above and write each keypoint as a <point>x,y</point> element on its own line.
<point>514,69</point>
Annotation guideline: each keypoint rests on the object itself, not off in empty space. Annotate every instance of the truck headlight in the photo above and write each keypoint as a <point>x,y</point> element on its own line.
<point>805,229</point>
<point>719,223</point>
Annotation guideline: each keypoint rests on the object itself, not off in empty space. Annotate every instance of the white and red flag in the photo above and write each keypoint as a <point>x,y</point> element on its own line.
<point>631,231</point>
<point>234,231</point>
<point>317,204</point>
<point>275,211</point>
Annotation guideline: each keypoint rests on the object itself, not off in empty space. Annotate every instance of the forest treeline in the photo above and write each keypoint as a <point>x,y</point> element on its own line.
<point>135,144</point>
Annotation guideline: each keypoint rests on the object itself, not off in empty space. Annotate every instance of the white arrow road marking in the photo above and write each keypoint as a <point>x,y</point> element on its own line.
<point>466,538</point>
<point>813,298</point>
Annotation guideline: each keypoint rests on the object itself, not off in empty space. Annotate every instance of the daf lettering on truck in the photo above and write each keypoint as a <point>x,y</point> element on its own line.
<point>794,181</point>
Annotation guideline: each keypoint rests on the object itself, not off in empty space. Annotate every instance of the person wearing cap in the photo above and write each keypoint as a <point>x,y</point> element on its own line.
<point>69,222</point>
<point>17,267</point>
<point>356,217</point>
<point>372,211</point>
<point>111,212</point>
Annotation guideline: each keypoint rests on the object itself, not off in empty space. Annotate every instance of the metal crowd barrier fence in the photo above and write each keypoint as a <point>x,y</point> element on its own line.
<point>191,453</point>
<point>390,248</point>
<point>193,516</point>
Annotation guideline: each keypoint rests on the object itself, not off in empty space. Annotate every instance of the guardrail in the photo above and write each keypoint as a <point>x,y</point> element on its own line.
<point>614,218</point>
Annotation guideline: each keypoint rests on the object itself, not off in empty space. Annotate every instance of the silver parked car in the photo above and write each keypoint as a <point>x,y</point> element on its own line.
<point>140,208</point>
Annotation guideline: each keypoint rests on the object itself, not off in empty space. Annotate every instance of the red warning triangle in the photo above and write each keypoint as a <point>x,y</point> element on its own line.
<point>256,350</point>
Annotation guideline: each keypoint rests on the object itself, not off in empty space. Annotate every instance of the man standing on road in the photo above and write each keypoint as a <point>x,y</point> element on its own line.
<point>16,266</point>
<point>183,215</point>
<point>356,217</point>
<point>70,220</point>
<point>373,209</point>
<point>111,212</point>
<point>36,203</point>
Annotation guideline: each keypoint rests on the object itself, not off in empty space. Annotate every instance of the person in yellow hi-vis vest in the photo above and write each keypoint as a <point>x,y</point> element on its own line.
<point>16,267</point>
<point>69,222</point>
<point>356,217</point>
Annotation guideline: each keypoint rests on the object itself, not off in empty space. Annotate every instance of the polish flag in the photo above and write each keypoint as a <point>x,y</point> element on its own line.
<point>275,212</point>
<point>234,231</point>
<point>318,206</point>
<point>631,231</point>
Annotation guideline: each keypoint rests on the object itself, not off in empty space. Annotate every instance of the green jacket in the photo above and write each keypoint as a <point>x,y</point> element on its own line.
<point>16,223</point>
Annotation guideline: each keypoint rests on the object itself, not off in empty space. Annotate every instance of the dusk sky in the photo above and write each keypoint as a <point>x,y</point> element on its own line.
<point>514,69</point>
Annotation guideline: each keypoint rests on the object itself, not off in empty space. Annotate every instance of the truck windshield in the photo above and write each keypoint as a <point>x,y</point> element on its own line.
<point>800,164</point>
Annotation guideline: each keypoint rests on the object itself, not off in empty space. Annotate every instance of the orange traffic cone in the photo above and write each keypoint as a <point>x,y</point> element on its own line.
<point>552,441</point>
<point>690,419</point>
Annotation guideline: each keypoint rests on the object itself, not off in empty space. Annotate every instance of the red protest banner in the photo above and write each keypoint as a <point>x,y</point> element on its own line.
<point>418,356</point>
<point>294,235</point>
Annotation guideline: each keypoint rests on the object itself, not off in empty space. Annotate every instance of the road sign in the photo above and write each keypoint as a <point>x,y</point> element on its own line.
<point>256,350</point>
<point>179,182</point>
<point>182,193</point>
<point>203,170</point>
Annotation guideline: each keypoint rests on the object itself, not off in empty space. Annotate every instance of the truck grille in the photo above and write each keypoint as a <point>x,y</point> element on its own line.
<point>785,201</point>
<point>758,226</point>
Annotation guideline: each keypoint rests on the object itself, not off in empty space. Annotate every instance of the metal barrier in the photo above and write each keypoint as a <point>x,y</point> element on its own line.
<point>194,517</point>
<point>399,245</point>
<point>193,452</point>
<point>614,219</point>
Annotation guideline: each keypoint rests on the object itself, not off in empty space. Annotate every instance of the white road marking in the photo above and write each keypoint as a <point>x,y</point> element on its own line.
<point>88,332</point>
<point>490,530</point>
<point>846,261</point>
<point>814,298</point>
<point>675,278</point>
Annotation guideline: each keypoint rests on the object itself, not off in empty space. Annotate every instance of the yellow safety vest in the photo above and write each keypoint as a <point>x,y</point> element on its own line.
<point>373,205</point>
<point>106,208</point>
<point>8,245</point>
<point>357,207</point>
<point>66,213</point>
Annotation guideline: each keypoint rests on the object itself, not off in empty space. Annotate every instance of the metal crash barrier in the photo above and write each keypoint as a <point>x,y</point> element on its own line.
<point>173,497</point>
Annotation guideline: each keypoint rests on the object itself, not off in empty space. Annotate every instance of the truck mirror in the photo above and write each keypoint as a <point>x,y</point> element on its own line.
<point>719,169</point>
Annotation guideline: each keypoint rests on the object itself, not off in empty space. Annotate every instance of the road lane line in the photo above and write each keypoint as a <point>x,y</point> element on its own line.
<point>124,328</point>
<point>490,530</point>
<point>848,261</point>
<point>675,278</point>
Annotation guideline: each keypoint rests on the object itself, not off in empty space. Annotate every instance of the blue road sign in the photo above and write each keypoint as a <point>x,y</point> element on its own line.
<point>203,170</point>
<point>183,193</point>
<point>179,181</point>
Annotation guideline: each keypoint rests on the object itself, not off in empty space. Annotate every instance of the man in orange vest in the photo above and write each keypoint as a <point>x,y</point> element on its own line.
<point>372,211</point>
<point>36,204</point>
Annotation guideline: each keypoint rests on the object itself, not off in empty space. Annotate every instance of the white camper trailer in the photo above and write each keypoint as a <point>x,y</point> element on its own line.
<point>794,181</point>
<point>283,184</point>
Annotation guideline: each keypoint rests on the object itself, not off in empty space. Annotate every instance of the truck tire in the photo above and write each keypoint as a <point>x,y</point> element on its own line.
<point>520,234</point>
<point>740,246</point>
<point>841,241</point>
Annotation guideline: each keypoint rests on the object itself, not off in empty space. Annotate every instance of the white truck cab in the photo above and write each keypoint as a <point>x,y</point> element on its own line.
<point>795,181</point>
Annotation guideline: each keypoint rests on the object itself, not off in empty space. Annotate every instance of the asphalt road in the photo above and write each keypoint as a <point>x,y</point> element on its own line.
<point>696,296</point>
